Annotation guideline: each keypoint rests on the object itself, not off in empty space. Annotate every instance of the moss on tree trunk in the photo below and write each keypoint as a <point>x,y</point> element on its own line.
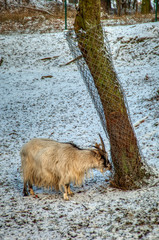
<point>124,149</point>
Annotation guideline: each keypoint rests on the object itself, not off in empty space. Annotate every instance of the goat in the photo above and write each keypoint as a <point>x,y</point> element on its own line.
<point>48,163</point>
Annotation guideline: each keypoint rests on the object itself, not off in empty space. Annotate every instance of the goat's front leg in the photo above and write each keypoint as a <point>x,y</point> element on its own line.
<point>65,195</point>
<point>67,191</point>
<point>31,188</point>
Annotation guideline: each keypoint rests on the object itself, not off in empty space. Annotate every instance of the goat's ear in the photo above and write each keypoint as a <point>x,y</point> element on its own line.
<point>97,146</point>
<point>95,152</point>
<point>100,151</point>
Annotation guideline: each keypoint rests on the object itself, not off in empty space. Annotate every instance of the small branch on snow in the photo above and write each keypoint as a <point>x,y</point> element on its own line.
<point>140,121</point>
<point>49,58</point>
<point>85,207</point>
<point>45,59</point>
<point>1,60</point>
<point>77,58</point>
<point>48,76</point>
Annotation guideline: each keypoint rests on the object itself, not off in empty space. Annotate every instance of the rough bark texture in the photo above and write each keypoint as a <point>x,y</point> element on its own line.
<point>106,4</point>
<point>5,4</point>
<point>118,2</point>
<point>124,148</point>
<point>146,6</point>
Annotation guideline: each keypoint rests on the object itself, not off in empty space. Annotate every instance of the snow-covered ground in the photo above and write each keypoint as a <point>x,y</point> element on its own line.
<point>135,52</point>
<point>41,98</point>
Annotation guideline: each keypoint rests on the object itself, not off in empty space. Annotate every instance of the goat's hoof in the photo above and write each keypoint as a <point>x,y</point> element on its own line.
<point>65,196</point>
<point>31,192</point>
<point>35,196</point>
<point>71,194</point>
<point>25,194</point>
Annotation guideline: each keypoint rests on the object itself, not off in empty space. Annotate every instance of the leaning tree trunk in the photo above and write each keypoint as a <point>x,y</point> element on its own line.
<point>124,148</point>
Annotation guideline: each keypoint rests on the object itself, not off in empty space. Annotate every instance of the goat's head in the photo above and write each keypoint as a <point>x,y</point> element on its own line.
<point>103,155</point>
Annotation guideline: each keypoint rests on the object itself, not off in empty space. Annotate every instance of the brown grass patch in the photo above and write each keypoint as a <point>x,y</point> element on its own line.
<point>32,20</point>
<point>130,18</point>
<point>26,20</point>
<point>19,15</point>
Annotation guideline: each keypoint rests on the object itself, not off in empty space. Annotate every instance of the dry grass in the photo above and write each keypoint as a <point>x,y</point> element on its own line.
<point>23,19</point>
<point>27,20</point>
<point>130,19</point>
<point>19,15</point>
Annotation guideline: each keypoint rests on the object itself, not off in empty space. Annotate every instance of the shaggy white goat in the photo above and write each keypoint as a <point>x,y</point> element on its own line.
<point>49,163</point>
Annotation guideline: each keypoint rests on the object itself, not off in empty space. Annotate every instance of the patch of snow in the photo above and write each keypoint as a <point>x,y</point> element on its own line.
<point>41,98</point>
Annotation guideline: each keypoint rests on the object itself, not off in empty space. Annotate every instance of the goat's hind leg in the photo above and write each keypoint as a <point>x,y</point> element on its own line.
<point>25,192</point>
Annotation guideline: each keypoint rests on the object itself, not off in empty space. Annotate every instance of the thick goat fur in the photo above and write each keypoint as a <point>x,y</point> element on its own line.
<point>48,163</point>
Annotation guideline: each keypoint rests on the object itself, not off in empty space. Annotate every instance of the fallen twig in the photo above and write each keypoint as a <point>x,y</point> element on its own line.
<point>49,58</point>
<point>77,58</point>
<point>140,121</point>
<point>1,61</point>
<point>48,76</point>
<point>45,59</point>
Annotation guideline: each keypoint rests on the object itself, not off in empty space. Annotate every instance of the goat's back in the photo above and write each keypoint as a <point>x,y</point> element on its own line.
<point>45,161</point>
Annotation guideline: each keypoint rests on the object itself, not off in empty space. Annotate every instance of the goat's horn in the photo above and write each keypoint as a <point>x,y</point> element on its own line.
<point>97,146</point>
<point>102,142</point>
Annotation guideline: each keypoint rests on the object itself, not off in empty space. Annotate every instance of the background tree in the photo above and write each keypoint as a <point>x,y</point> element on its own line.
<point>119,7</point>
<point>129,170</point>
<point>5,4</point>
<point>146,6</point>
<point>135,5</point>
<point>106,4</point>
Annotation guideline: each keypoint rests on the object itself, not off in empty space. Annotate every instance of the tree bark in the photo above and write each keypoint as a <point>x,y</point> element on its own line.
<point>124,148</point>
<point>118,2</point>
<point>5,4</point>
<point>146,6</point>
<point>135,5</point>
<point>106,4</point>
